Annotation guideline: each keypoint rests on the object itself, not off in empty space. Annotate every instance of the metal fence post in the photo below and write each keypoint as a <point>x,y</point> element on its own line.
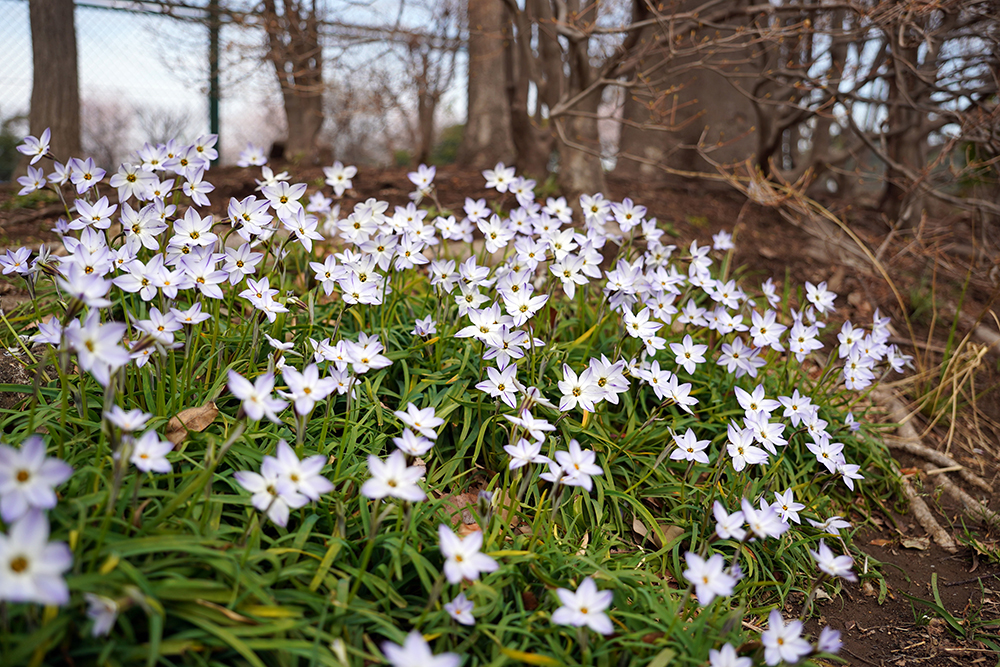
<point>213,71</point>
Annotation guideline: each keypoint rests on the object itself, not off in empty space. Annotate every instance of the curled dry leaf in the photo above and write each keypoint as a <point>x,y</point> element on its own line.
<point>193,419</point>
<point>919,543</point>
<point>461,507</point>
<point>670,532</point>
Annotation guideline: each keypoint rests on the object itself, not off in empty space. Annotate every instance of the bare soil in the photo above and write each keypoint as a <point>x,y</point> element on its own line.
<point>929,262</point>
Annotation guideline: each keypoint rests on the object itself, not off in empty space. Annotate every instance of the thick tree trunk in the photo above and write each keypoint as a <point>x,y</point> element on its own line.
<point>55,92</point>
<point>426,105</point>
<point>580,168</point>
<point>304,117</point>
<point>694,109</point>
<point>532,143</point>
<point>297,56</point>
<point>905,138</point>
<point>487,139</point>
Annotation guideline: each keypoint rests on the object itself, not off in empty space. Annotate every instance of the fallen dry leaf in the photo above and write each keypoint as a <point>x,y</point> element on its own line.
<point>461,506</point>
<point>880,543</point>
<point>228,613</point>
<point>670,532</point>
<point>583,545</point>
<point>920,543</point>
<point>465,529</point>
<point>192,419</point>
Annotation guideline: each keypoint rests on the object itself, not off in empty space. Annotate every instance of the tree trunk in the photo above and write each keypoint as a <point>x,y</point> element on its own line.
<point>297,56</point>
<point>905,139</point>
<point>427,99</point>
<point>532,143</point>
<point>580,168</point>
<point>487,139</point>
<point>693,109</point>
<point>55,91</point>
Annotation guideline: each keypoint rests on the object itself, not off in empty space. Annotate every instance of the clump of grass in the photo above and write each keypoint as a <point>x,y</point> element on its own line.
<point>491,445</point>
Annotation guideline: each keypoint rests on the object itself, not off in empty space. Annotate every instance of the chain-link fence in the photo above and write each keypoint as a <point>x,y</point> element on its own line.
<point>144,75</point>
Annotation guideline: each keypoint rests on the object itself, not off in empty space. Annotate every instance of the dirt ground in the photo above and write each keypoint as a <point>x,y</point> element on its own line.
<point>936,608</point>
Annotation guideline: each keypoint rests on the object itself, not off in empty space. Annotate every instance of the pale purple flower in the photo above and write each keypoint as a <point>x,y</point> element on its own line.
<point>709,577</point>
<point>829,640</point>
<point>303,476</point>
<point>585,607</point>
<point>27,478</point>
<point>256,396</point>
<point>103,611</point>
<point>393,478</point>
<point>423,421</point>
<point>783,642</point>
<point>460,609</point>
<point>463,560</point>
<point>31,567</point>
<point>149,453</point>
<point>415,652</point>
<point>835,566</point>
<point>36,148</point>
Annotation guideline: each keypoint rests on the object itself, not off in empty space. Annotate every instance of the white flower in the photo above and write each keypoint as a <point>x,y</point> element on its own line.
<point>416,653</point>
<point>306,388</point>
<point>149,453</point>
<point>27,478</point>
<point>130,421</point>
<point>689,448</point>
<point>103,611</point>
<point>460,609</point>
<point>709,577</point>
<point>37,148</point>
<point>579,391</point>
<point>423,421</point>
<point>578,465</point>
<point>463,558</point>
<point>413,444</point>
<point>728,525</point>
<point>30,566</point>
<point>272,493</point>
<point>394,478</point>
<point>820,297</point>
<point>256,397</point>
<point>727,657</point>
<point>765,522</point>
<point>742,449</point>
<point>831,525</point>
<point>787,507</point>
<point>835,566</point>
<point>783,642</point>
<point>304,476</point>
<point>585,607</point>
<point>97,347</point>
<point>688,354</point>
<point>524,452</point>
